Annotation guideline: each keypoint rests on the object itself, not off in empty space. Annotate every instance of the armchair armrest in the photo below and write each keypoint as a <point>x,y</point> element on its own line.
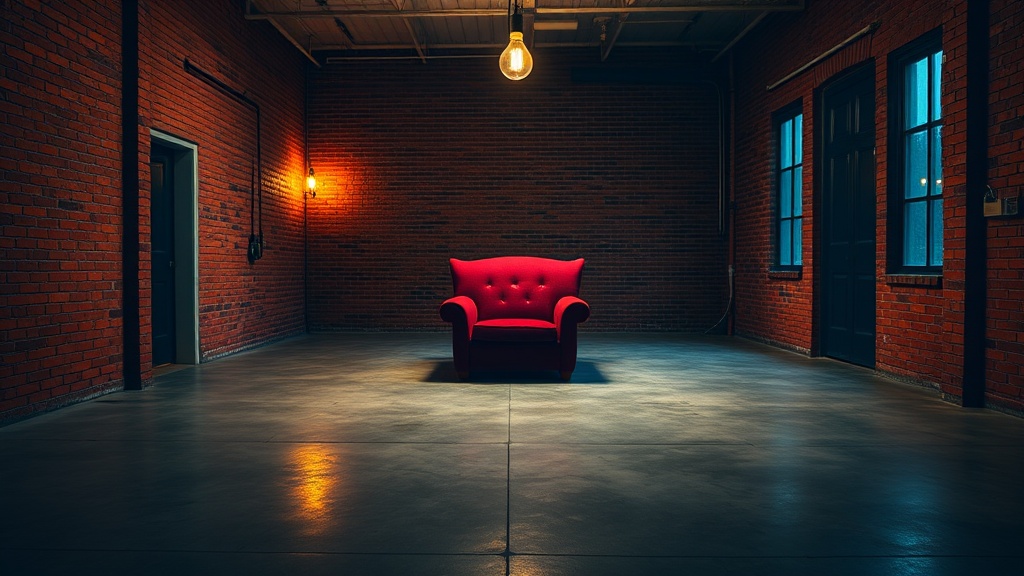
<point>569,311</point>
<point>461,312</point>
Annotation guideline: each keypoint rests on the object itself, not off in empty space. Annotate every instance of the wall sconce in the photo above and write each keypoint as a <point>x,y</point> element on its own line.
<point>311,183</point>
<point>515,62</point>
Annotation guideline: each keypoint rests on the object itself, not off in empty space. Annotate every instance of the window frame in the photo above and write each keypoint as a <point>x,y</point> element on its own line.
<point>794,220</point>
<point>898,63</point>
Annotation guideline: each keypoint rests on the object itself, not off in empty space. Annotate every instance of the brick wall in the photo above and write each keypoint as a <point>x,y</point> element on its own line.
<point>919,326</point>
<point>421,162</point>
<point>60,187</point>
<point>240,304</point>
<point>60,204</point>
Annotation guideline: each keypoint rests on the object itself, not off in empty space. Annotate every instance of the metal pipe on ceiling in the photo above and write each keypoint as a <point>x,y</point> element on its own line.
<point>671,9</point>
<point>365,47</point>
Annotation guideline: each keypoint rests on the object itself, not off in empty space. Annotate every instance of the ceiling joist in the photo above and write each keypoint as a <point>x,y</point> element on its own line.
<point>421,25</point>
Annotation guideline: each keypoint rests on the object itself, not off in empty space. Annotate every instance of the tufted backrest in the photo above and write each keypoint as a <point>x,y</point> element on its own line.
<point>516,286</point>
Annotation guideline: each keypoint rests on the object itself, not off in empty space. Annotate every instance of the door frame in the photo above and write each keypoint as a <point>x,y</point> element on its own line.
<point>185,166</point>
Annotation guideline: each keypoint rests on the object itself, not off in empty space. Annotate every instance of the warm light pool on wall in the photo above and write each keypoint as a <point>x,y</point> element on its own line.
<point>515,62</point>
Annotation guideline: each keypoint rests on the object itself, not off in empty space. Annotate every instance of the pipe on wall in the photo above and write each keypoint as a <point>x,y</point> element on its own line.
<point>976,183</point>
<point>131,360</point>
<point>869,29</point>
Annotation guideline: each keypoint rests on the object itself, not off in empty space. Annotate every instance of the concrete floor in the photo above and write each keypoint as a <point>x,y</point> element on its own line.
<point>360,454</point>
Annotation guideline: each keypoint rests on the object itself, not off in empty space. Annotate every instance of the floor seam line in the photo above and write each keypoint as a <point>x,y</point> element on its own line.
<point>508,491</point>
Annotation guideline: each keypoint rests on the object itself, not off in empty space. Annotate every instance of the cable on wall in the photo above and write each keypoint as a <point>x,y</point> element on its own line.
<point>255,250</point>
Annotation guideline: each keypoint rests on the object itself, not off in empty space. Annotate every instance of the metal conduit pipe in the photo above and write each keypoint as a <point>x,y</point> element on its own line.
<point>869,29</point>
<point>671,9</point>
<point>331,59</point>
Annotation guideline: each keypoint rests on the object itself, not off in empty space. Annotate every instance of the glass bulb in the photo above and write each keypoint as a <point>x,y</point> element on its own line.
<point>515,62</point>
<point>311,180</point>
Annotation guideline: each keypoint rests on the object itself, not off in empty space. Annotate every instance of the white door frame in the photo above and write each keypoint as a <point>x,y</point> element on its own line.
<point>186,244</point>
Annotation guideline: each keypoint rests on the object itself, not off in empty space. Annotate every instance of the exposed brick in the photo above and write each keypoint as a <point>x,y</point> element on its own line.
<point>469,165</point>
<point>60,188</point>
<point>919,327</point>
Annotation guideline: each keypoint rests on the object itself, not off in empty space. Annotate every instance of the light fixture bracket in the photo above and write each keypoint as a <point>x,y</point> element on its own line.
<point>515,17</point>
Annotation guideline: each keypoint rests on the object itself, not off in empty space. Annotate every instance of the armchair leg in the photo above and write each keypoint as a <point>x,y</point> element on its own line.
<point>566,375</point>
<point>463,375</point>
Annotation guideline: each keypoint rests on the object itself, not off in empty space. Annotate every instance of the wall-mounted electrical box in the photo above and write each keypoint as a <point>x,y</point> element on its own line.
<point>1001,207</point>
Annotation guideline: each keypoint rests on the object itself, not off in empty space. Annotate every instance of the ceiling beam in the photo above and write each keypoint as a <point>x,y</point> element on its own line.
<point>730,6</point>
<point>250,16</point>
<point>412,33</point>
<point>740,36</point>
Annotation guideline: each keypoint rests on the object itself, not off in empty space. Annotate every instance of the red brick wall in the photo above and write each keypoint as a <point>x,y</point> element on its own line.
<point>421,162</point>
<point>60,186</point>
<point>919,328</point>
<point>60,154</point>
<point>240,304</point>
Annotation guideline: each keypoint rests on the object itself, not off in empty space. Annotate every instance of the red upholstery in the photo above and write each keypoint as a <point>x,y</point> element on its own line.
<point>515,330</point>
<point>514,312</point>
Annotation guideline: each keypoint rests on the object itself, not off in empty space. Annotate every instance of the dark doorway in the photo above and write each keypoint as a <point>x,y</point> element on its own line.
<point>849,211</point>
<point>162,252</point>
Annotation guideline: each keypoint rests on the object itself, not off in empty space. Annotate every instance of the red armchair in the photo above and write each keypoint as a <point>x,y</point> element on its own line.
<point>515,312</point>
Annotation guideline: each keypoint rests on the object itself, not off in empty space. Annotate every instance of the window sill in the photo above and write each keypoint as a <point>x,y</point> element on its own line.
<point>923,280</point>
<point>785,274</point>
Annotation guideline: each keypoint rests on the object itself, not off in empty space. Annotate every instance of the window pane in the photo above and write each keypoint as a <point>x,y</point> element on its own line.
<point>916,166</point>
<point>786,194</point>
<point>915,234</point>
<point>798,139</point>
<point>935,248</point>
<point>785,243</point>
<point>917,93</point>
<point>798,241</point>
<point>798,196</point>
<point>786,144</point>
<point>937,85</point>
<point>936,138</point>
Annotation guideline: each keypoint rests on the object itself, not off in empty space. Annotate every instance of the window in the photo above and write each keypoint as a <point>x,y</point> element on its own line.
<point>916,137</point>
<point>789,171</point>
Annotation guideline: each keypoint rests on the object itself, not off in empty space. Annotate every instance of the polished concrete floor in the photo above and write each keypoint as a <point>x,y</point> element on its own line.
<point>361,454</point>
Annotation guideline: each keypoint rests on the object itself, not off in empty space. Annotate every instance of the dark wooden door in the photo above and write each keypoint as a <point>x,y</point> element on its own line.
<point>848,231</point>
<point>162,252</point>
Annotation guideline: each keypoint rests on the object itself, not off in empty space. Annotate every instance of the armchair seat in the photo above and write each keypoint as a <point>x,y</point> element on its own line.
<point>515,312</point>
<point>515,330</point>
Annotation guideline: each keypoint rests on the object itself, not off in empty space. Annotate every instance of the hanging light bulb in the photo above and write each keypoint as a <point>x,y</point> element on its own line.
<point>515,62</point>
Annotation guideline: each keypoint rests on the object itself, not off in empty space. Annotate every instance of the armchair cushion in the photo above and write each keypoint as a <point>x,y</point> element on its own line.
<point>515,330</point>
<point>514,312</point>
